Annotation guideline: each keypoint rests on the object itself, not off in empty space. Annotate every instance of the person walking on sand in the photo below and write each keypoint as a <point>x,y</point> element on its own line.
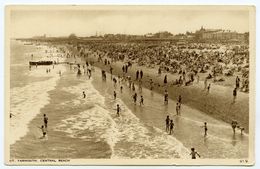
<point>208,89</point>
<point>194,153</point>
<point>205,83</point>
<point>133,87</point>
<point>167,121</point>
<point>84,95</point>
<point>111,70</point>
<point>45,121</point>
<point>166,97</point>
<point>118,110</point>
<point>165,80</point>
<point>151,84</point>
<point>114,95</point>
<point>177,108</point>
<point>141,74</point>
<point>137,75</point>
<point>171,127</point>
<point>141,101</point>
<point>234,95</point>
<point>180,99</point>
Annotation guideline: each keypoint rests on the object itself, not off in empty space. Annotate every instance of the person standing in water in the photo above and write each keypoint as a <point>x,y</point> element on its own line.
<point>44,132</point>
<point>114,95</point>
<point>171,127</point>
<point>167,121</point>
<point>84,95</point>
<point>141,101</point>
<point>234,125</point>
<point>205,129</point>
<point>118,110</point>
<point>194,153</point>
<point>45,120</point>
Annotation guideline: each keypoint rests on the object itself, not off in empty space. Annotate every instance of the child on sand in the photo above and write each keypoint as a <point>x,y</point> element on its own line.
<point>121,89</point>
<point>208,89</point>
<point>194,153</point>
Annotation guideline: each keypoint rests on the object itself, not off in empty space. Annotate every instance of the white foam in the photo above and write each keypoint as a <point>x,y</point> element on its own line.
<point>126,129</point>
<point>26,103</point>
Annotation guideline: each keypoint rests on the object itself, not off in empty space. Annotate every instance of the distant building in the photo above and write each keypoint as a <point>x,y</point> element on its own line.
<point>219,35</point>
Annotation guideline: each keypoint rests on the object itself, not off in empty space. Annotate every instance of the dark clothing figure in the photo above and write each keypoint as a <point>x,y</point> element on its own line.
<point>167,121</point>
<point>165,79</point>
<point>234,125</point>
<point>45,120</point>
<point>141,101</point>
<point>194,153</point>
<point>205,129</point>
<point>135,98</point>
<point>118,110</point>
<point>137,75</point>
<point>171,127</point>
<point>114,94</point>
<point>141,74</point>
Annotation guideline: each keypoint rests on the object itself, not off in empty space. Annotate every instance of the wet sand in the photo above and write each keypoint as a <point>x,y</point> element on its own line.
<point>218,103</point>
<point>220,142</point>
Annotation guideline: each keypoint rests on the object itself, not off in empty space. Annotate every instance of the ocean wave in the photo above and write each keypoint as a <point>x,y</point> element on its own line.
<point>127,136</point>
<point>26,102</point>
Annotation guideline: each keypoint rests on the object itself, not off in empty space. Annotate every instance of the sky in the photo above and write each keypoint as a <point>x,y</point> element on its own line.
<point>87,21</point>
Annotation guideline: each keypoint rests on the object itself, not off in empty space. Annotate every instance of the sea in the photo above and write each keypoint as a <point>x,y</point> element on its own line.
<point>89,128</point>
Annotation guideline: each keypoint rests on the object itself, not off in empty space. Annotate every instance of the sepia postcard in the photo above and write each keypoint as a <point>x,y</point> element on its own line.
<point>129,85</point>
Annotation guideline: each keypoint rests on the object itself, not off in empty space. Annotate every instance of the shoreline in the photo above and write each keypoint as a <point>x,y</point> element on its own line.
<point>218,105</point>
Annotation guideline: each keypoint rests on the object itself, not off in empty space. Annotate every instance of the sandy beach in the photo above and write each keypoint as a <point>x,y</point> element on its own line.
<point>218,103</point>
<point>79,126</point>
